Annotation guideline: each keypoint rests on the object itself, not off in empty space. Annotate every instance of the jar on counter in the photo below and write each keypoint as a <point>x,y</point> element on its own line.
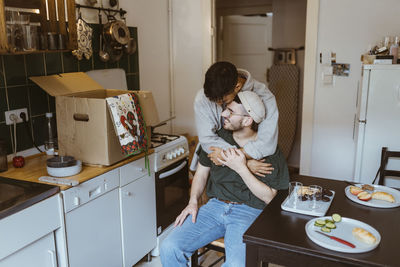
<point>3,156</point>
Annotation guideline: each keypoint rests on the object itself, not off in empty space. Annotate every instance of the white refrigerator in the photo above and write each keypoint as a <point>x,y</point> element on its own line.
<point>377,121</point>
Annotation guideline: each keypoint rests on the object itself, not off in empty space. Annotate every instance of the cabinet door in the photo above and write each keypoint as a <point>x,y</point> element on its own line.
<point>138,212</point>
<point>39,253</point>
<point>94,233</point>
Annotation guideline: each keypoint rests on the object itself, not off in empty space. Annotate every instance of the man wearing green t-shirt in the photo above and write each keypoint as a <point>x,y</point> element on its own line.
<point>236,195</point>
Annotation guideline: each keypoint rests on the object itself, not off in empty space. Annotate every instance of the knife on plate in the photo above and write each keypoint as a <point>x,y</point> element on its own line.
<point>337,239</point>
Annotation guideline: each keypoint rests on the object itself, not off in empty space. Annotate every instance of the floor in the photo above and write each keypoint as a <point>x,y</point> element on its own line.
<point>210,257</point>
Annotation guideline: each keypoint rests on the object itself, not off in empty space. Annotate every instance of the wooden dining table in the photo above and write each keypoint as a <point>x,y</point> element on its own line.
<point>278,236</point>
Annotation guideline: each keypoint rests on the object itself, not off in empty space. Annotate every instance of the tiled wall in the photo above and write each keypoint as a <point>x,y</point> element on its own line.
<point>17,91</point>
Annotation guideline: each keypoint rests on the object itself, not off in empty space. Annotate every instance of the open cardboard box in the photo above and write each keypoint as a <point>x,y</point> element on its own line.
<point>84,125</point>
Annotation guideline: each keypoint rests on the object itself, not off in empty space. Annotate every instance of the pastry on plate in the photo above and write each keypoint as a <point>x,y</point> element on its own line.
<point>363,235</point>
<point>383,196</point>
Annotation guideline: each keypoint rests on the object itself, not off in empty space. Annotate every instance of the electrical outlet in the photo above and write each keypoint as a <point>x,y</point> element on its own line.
<point>17,113</point>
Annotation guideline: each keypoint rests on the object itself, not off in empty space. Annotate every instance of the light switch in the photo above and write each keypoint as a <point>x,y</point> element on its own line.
<point>327,74</point>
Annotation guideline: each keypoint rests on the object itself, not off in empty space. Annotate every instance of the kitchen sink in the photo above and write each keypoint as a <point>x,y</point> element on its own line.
<point>16,195</point>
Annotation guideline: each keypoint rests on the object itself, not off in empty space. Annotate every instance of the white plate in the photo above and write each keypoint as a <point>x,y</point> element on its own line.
<point>343,230</point>
<point>376,202</point>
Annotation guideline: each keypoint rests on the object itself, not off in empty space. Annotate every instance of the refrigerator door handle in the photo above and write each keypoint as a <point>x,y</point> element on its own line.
<point>398,93</point>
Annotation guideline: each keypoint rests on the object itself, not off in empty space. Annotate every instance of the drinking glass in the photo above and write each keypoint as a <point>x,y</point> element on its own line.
<point>315,197</point>
<point>293,196</point>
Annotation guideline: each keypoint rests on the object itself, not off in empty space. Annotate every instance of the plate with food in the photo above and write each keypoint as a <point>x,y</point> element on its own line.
<point>342,234</point>
<point>300,201</point>
<point>377,196</point>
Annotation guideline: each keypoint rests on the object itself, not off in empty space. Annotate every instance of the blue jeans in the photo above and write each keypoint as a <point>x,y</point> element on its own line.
<point>214,220</point>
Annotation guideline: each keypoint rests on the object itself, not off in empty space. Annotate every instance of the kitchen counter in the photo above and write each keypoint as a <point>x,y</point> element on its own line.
<point>35,167</point>
<point>16,195</point>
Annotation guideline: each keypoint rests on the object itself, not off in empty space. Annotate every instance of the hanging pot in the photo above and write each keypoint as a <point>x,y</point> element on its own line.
<point>116,31</point>
<point>130,47</point>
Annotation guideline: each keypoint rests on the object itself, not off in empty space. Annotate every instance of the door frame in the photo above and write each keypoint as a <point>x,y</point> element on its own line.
<point>310,68</point>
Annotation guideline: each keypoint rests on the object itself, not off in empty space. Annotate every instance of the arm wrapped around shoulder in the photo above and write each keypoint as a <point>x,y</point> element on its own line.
<point>383,196</point>
<point>363,235</point>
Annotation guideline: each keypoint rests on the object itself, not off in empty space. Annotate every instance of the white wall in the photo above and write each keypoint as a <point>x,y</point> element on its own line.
<point>191,56</point>
<point>288,30</point>
<point>346,28</point>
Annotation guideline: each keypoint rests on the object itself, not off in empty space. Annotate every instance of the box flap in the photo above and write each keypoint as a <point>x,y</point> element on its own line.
<point>149,108</point>
<point>66,83</point>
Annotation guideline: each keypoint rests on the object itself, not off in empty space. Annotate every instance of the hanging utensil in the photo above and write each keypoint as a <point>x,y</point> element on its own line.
<point>130,47</point>
<point>104,56</point>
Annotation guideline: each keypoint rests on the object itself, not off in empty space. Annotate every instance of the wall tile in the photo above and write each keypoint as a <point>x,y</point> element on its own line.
<point>35,64</point>
<point>38,100</point>
<point>1,72</point>
<point>39,129</point>
<point>133,81</point>
<point>23,139</point>
<point>98,64</point>
<point>85,65</point>
<point>18,97</point>
<point>70,62</point>
<point>5,135</point>
<point>53,63</point>
<point>14,69</point>
<point>3,103</point>
<point>52,103</point>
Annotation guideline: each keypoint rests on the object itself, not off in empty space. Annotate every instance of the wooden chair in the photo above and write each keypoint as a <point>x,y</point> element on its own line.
<point>216,245</point>
<point>386,154</point>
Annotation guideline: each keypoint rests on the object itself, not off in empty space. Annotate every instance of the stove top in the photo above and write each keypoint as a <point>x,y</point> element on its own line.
<point>158,139</point>
<point>168,149</point>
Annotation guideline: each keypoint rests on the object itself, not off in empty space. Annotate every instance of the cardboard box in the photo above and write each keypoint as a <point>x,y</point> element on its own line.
<point>84,125</point>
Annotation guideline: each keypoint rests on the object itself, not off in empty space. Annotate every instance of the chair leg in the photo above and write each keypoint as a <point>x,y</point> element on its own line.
<point>195,259</point>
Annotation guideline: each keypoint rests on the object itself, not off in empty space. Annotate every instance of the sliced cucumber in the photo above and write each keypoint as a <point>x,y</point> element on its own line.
<point>319,225</point>
<point>330,225</point>
<point>325,229</point>
<point>329,221</point>
<point>321,222</point>
<point>336,217</point>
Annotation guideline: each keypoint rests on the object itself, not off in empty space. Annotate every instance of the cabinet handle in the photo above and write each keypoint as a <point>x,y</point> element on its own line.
<point>128,194</point>
<point>53,257</point>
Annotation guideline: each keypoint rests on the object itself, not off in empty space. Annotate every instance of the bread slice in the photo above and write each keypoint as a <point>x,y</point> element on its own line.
<point>363,235</point>
<point>383,196</point>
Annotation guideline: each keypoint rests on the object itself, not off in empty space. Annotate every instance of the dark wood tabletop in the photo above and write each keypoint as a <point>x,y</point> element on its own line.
<point>279,236</point>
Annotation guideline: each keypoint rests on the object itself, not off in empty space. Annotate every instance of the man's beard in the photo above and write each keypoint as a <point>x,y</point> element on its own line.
<point>232,126</point>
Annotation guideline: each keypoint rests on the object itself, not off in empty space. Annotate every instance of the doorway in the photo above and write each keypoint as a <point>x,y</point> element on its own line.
<point>243,40</point>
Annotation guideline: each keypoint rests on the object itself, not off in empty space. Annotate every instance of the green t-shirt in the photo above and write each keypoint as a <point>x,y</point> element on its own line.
<point>226,184</point>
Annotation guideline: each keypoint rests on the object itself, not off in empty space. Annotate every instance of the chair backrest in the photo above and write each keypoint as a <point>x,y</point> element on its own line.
<point>386,154</point>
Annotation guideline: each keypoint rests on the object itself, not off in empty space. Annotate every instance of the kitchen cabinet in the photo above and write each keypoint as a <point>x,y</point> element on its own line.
<point>40,253</point>
<point>27,237</point>
<point>138,212</point>
<point>92,222</point>
<point>51,17</point>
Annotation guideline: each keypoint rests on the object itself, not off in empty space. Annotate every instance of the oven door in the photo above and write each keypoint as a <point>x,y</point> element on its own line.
<point>172,193</point>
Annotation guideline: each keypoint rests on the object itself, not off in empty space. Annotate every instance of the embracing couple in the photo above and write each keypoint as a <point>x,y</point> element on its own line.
<point>240,165</point>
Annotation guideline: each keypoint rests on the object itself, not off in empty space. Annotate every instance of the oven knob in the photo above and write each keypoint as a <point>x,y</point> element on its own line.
<point>169,155</point>
<point>178,152</point>
<point>182,150</point>
<point>173,154</point>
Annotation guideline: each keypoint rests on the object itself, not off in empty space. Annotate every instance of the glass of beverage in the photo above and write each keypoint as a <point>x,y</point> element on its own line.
<point>294,190</point>
<point>315,197</point>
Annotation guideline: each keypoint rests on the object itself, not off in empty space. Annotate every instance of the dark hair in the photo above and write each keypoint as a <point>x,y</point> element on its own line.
<point>221,79</point>
<point>254,125</point>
